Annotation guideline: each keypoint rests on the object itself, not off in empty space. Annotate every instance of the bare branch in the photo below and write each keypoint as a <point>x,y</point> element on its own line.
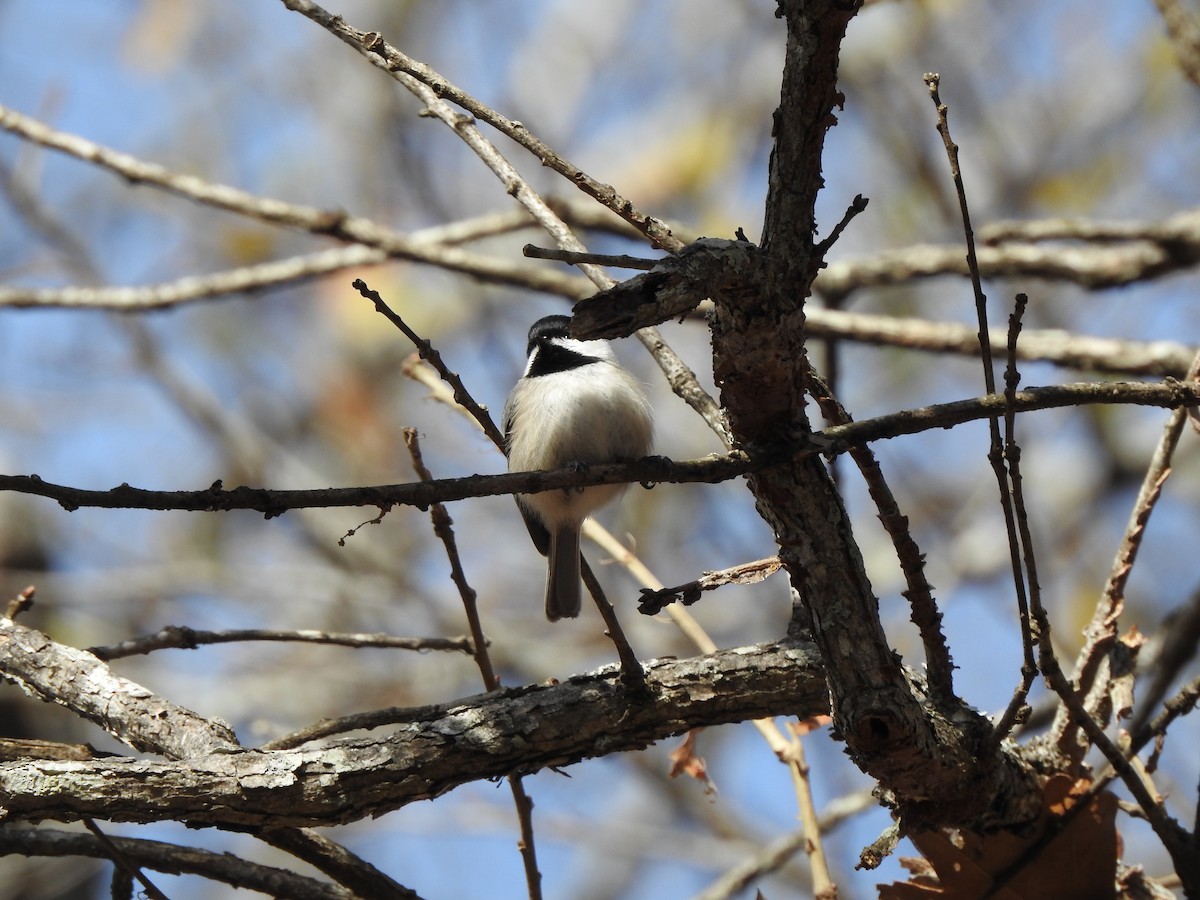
<point>1177,650</point>
<point>620,261</point>
<point>126,868</point>
<point>275,274</point>
<point>654,601</point>
<point>405,69</point>
<point>331,223</point>
<point>1101,266</point>
<point>1063,348</point>
<point>172,859</point>
<point>1015,495</point>
<point>918,591</point>
<point>129,712</point>
<point>1183,227</point>
<point>1101,632</point>
<point>20,603</point>
<point>632,674</point>
<point>262,277</point>
<point>330,857</point>
<point>772,857</point>
<point>651,470</point>
<point>440,747</point>
<point>182,637</point>
<point>428,353</point>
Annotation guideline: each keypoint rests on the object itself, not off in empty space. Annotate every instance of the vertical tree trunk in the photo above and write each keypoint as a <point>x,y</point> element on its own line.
<point>939,767</point>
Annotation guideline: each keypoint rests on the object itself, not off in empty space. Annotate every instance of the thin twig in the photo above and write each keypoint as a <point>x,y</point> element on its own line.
<point>1094,265</point>
<point>1178,842</point>
<point>833,440</point>
<point>919,593</point>
<point>995,453</point>
<point>461,395</point>
<point>617,261</point>
<point>823,884</point>
<point>533,877</point>
<point>1101,631</point>
<point>443,528</point>
<point>119,860</point>
<point>1179,705</point>
<point>270,275</point>
<point>330,857</point>
<point>632,673</point>
<point>1062,348</point>
<point>654,601</point>
<point>1017,708</point>
<point>183,637</point>
<point>1178,648</point>
<point>335,224</point>
<point>20,603</point>
<point>769,859</point>
<point>857,205</point>
<point>164,857</point>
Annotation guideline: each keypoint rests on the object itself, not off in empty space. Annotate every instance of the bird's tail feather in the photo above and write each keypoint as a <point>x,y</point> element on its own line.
<point>562,582</point>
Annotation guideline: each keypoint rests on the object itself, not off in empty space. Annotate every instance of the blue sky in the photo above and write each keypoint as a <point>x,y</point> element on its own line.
<point>252,95</point>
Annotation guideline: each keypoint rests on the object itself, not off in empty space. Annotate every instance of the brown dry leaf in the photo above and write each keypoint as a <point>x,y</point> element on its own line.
<point>1054,860</point>
<point>923,884</point>
<point>685,761</point>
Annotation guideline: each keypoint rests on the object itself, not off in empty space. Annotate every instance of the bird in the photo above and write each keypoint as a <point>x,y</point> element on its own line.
<point>573,406</point>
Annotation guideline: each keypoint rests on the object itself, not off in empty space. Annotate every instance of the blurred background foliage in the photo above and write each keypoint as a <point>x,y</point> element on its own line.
<point>1061,108</point>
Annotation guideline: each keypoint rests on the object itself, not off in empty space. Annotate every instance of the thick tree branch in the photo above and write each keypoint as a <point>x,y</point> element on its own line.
<point>436,749</point>
<point>933,761</point>
<point>130,713</point>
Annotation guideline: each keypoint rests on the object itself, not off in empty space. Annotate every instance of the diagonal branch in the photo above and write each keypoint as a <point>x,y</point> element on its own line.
<point>130,713</point>
<point>331,223</point>
<point>431,89</point>
<point>372,45</point>
<point>517,730</point>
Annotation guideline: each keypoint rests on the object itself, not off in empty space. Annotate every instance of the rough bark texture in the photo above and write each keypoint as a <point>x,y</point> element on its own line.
<point>936,763</point>
<point>129,712</point>
<point>437,748</point>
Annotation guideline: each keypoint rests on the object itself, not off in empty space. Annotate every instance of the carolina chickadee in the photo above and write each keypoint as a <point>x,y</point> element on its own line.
<point>574,405</point>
